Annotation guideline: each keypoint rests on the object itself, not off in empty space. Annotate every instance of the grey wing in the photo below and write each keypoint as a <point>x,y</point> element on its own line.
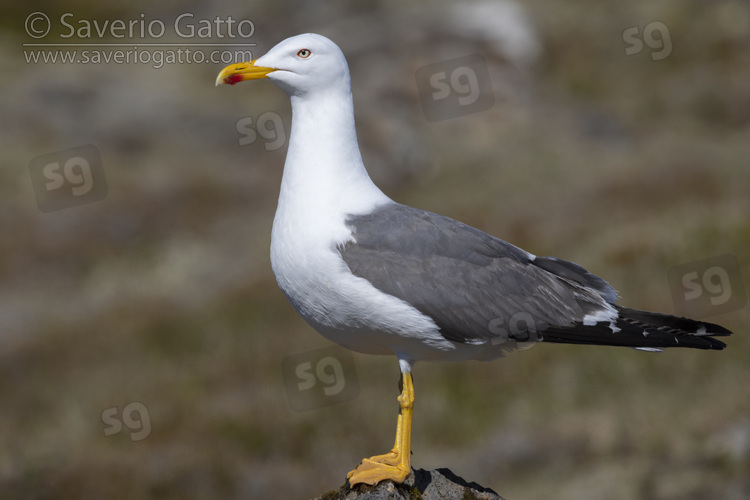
<point>474,286</point>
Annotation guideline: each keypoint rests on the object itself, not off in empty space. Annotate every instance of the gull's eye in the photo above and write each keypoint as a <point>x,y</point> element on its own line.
<point>304,53</point>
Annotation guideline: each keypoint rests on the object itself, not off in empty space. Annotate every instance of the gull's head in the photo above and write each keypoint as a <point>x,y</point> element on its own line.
<point>298,65</point>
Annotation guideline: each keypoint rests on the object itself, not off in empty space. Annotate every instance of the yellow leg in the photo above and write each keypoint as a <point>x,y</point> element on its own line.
<point>395,465</point>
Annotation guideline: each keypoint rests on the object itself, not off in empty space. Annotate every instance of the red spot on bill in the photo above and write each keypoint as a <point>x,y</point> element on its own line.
<point>232,79</point>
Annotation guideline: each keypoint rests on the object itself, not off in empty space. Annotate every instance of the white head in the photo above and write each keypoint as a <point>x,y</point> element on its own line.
<point>302,64</point>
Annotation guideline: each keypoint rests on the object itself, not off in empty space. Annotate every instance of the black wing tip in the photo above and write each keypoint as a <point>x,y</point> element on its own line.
<point>584,335</point>
<point>717,345</point>
<point>714,330</point>
<point>643,329</point>
<point>680,325</point>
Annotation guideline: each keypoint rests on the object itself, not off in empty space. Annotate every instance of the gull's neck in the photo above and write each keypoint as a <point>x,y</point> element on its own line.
<point>324,175</point>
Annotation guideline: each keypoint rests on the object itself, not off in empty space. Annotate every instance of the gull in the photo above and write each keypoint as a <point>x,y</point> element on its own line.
<point>379,277</point>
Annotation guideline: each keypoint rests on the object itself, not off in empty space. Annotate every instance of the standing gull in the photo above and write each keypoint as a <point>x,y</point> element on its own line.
<point>378,277</point>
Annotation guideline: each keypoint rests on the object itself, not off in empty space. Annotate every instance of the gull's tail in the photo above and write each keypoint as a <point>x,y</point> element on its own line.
<point>642,330</point>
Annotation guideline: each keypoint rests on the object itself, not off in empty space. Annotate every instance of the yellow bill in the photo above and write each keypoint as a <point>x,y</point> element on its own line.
<point>240,72</point>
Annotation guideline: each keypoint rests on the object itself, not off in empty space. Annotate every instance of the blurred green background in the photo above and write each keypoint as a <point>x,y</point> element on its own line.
<point>162,292</point>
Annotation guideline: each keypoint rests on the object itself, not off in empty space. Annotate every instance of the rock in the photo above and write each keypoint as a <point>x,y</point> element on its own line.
<point>421,484</point>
